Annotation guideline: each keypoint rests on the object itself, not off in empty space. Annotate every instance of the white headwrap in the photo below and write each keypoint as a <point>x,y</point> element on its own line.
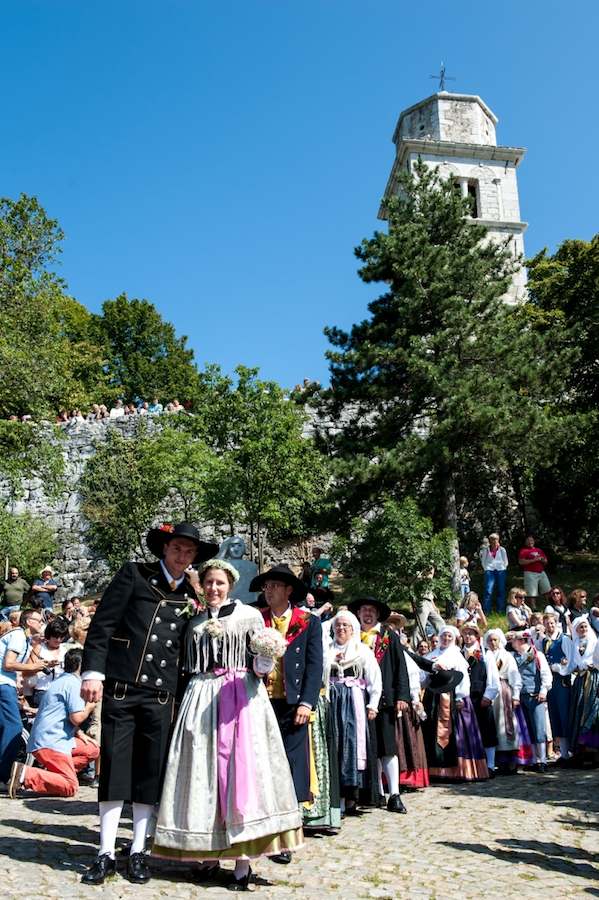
<point>352,650</point>
<point>495,632</point>
<point>584,660</point>
<point>450,629</point>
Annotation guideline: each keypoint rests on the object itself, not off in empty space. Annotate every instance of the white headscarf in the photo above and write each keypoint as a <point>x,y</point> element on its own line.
<point>495,632</point>
<point>352,650</point>
<point>578,660</point>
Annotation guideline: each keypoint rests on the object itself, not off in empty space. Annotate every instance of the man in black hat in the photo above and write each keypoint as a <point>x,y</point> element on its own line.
<point>295,682</point>
<point>395,699</point>
<point>131,662</point>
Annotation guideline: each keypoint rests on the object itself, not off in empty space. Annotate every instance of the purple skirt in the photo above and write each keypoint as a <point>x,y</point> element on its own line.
<point>472,761</point>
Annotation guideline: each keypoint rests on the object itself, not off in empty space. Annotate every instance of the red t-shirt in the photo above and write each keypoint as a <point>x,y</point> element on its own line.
<point>533,565</point>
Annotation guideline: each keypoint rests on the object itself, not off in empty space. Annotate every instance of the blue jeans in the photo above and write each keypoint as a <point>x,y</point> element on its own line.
<point>10,729</point>
<point>494,580</point>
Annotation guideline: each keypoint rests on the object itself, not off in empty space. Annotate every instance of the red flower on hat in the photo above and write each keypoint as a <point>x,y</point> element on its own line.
<point>166,526</point>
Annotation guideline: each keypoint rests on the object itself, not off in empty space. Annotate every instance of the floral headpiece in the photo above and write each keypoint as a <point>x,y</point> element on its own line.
<point>219,564</point>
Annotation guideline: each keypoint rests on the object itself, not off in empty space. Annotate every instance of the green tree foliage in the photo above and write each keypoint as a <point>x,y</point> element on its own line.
<point>27,451</point>
<point>564,288</point>
<point>26,542</point>
<point>122,489</point>
<point>276,481</point>
<point>564,294</point>
<point>144,357</point>
<point>257,470</point>
<point>47,358</point>
<point>443,379</point>
<point>388,556</point>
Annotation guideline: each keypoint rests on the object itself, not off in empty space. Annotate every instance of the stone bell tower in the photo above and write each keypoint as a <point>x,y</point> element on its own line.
<point>456,132</point>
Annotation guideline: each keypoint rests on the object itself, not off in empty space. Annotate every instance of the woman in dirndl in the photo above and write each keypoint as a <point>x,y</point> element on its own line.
<point>583,665</point>
<point>514,746</point>
<point>557,649</point>
<point>322,814</point>
<point>354,683</point>
<point>228,792</point>
<point>451,734</point>
<point>536,683</point>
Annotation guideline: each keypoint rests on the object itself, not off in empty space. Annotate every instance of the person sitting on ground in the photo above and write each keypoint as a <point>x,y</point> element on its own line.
<point>471,612</point>
<point>15,649</point>
<point>155,407</point>
<point>518,613</point>
<point>52,648</point>
<point>60,749</point>
<point>577,603</point>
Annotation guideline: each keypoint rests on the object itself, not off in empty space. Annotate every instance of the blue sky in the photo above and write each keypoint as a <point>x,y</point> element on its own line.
<point>223,159</point>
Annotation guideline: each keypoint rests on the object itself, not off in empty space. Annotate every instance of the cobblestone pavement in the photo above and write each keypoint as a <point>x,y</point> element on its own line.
<point>524,836</point>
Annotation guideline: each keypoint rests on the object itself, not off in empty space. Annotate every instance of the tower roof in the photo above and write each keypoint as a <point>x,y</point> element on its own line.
<point>461,118</point>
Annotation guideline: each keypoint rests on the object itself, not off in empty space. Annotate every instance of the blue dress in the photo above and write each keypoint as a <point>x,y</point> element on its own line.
<point>558,698</point>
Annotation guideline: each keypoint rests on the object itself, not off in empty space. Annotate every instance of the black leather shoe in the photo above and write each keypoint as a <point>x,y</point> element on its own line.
<point>353,811</point>
<point>240,884</point>
<point>101,869</point>
<point>284,857</point>
<point>137,869</point>
<point>382,802</point>
<point>204,873</point>
<point>395,804</point>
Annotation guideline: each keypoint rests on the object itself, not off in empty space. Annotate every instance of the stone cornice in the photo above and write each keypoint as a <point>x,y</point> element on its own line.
<point>445,95</point>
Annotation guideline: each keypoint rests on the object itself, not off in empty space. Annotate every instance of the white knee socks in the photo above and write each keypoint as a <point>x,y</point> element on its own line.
<point>110,816</point>
<point>142,813</point>
<point>490,754</point>
<point>391,770</point>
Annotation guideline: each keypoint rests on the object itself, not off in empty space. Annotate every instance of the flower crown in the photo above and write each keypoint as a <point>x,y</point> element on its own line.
<point>219,564</point>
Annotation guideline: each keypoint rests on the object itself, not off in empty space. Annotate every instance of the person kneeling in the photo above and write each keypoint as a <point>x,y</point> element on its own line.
<point>54,741</point>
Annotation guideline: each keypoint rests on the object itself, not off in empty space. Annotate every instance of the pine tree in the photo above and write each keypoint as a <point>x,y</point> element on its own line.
<point>444,383</point>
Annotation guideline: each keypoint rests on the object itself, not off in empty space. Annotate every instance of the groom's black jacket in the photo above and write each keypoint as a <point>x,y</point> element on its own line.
<point>136,634</point>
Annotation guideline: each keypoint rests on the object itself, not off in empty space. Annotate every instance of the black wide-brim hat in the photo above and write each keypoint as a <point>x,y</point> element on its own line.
<point>158,537</point>
<point>383,610</point>
<point>442,681</point>
<point>281,573</point>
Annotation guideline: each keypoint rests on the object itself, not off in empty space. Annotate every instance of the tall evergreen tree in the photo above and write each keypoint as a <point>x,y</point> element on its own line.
<point>443,379</point>
<point>564,293</point>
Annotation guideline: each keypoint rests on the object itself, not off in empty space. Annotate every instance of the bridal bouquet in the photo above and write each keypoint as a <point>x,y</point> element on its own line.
<point>268,643</point>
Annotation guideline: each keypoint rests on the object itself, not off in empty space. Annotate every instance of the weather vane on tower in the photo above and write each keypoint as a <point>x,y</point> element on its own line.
<point>442,77</point>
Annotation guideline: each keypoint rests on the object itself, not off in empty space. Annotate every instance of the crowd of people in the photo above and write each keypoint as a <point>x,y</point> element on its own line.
<point>351,710</point>
<point>99,412</point>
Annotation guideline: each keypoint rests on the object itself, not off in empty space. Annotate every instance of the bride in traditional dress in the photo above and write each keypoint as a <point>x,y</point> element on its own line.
<point>228,792</point>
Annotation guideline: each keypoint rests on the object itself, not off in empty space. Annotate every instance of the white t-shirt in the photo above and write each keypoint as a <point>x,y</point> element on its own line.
<point>18,643</point>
